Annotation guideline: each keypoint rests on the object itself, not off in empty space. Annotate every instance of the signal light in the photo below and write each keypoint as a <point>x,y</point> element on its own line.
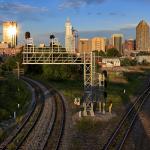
<point>27,35</point>
<point>104,73</point>
<point>105,94</point>
<point>105,83</point>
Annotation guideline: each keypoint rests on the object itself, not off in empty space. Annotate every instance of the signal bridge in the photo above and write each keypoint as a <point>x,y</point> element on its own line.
<point>58,55</point>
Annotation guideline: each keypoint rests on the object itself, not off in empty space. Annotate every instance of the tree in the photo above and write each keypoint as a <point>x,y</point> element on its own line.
<point>128,62</point>
<point>125,62</point>
<point>99,53</point>
<point>61,72</point>
<point>112,52</point>
<point>9,64</point>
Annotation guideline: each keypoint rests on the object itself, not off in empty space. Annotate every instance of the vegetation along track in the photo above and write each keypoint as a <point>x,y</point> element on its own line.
<point>44,126</point>
<point>51,120</point>
<point>119,136</point>
<point>22,131</point>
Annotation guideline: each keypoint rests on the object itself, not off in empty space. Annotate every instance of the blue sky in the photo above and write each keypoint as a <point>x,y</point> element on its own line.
<point>42,17</point>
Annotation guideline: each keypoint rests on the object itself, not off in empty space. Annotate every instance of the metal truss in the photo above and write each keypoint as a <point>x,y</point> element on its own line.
<point>33,55</point>
<point>58,55</point>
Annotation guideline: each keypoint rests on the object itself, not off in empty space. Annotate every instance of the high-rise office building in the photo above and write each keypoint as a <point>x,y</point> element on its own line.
<point>142,36</point>
<point>10,33</point>
<point>117,40</point>
<point>130,44</point>
<point>98,43</point>
<point>108,44</point>
<point>69,37</point>
<point>84,45</point>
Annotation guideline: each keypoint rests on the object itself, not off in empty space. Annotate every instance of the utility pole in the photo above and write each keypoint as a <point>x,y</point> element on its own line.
<point>18,70</point>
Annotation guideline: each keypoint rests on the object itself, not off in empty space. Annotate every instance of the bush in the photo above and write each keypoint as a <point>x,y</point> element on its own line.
<point>113,52</point>
<point>11,146</point>
<point>128,62</point>
<point>3,114</point>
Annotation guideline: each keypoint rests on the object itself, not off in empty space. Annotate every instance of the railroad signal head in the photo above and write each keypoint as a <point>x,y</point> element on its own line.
<point>105,94</point>
<point>102,83</point>
<point>104,73</point>
<point>105,83</point>
<point>52,36</point>
<point>27,35</point>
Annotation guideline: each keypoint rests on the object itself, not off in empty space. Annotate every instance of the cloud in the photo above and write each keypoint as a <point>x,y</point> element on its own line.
<point>78,3</point>
<point>98,13</point>
<point>116,14</point>
<point>89,13</point>
<point>20,8</point>
<point>129,26</point>
<point>113,14</point>
<point>21,12</point>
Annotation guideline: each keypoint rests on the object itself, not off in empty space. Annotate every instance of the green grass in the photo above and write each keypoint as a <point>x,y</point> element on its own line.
<point>70,88</point>
<point>12,93</point>
<point>88,129</point>
<point>130,81</point>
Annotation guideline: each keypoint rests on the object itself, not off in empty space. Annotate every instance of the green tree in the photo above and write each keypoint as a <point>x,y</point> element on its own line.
<point>9,64</point>
<point>125,62</point>
<point>99,53</point>
<point>112,52</point>
<point>60,72</point>
<point>134,62</point>
<point>128,62</point>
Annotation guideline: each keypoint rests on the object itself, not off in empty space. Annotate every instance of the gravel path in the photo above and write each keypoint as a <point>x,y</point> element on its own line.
<point>36,138</point>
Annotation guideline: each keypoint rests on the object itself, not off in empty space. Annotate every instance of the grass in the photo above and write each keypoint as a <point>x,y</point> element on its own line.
<point>130,81</point>
<point>91,134</point>
<point>69,88</point>
<point>12,93</point>
<point>88,129</point>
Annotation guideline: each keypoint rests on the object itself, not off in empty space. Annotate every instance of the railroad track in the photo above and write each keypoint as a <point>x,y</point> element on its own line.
<point>50,126</point>
<point>54,140</point>
<point>21,132</point>
<point>45,124</point>
<point>120,134</point>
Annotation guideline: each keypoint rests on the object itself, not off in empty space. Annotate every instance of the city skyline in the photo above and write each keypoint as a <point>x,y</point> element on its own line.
<point>45,17</point>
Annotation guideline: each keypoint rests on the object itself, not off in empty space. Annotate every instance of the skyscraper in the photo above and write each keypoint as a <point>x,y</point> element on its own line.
<point>10,33</point>
<point>98,43</point>
<point>129,44</point>
<point>84,45</point>
<point>117,40</point>
<point>69,37</point>
<point>142,36</point>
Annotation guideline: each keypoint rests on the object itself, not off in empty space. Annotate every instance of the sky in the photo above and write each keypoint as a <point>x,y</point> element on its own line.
<point>89,17</point>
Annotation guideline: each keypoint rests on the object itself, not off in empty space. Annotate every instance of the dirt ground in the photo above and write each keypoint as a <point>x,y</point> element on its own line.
<point>88,133</point>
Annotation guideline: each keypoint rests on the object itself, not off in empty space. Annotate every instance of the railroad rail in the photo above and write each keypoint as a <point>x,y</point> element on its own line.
<point>45,124</point>
<point>120,134</point>
<point>54,140</point>
<point>20,133</point>
<point>41,135</point>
